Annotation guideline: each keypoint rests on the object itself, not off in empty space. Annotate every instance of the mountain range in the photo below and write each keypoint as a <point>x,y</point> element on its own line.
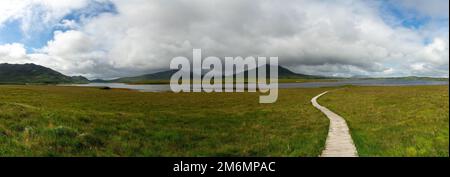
<point>283,73</point>
<point>34,74</point>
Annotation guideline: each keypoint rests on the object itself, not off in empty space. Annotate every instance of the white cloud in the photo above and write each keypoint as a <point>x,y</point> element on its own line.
<point>11,9</point>
<point>433,59</point>
<point>14,52</point>
<point>73,52</point>
<point>340,38</point>
<point>437,52</point>
<point>37,14</point>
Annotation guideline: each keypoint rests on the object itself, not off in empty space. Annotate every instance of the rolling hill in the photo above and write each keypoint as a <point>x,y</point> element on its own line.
<point>34,74</point>
<point>283,73</point>
<point>164,75</point>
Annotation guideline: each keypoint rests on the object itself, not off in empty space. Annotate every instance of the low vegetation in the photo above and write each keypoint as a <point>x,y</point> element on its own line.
<point>78,121</point>
<point>395,121</point>
<point>73,121</point>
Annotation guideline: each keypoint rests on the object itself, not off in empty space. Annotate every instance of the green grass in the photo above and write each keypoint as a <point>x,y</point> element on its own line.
<point>43,120</point>
<point>395,121</point>
<point>76,121</point>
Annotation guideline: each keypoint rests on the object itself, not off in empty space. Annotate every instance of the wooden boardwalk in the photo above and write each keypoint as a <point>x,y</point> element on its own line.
<point>339,142</point>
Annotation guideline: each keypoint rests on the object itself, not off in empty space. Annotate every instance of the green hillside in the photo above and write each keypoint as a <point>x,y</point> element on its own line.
<point>34,74</point>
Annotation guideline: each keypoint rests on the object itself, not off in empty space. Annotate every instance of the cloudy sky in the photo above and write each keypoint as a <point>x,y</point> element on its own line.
<point>114,38</point>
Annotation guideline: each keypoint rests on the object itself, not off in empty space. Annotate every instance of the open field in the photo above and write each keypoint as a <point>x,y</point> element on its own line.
<point>78,121</point>
<point>75,121</point>
<point>395,121</point>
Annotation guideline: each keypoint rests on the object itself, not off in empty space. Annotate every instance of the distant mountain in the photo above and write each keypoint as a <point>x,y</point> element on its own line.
<point>411,78</point>
<point>99,81</point>
<point>78,79</point>
<point>34,74</point>
<point>164,75</point>
<point>283,73</point>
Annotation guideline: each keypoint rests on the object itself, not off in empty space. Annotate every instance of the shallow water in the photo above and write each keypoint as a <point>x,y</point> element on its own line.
<point>368,82</point>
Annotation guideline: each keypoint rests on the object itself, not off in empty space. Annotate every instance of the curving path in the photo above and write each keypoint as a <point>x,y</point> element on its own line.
<point>339,142</point>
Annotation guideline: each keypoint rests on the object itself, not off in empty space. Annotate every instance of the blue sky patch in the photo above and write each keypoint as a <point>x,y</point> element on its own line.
<point>10,32</point>
<point>39,34</point>
<point>93,9</point>
<point>396,15</point>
